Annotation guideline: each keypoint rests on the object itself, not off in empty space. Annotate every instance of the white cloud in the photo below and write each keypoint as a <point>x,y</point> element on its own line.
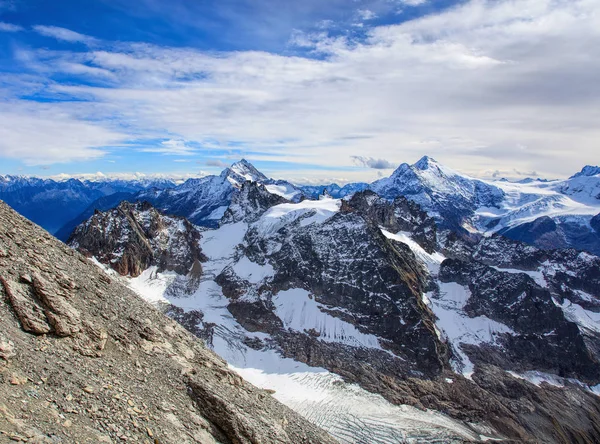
<point>370,162</point>
<point>366,14</point>
<point>40,134</point>
<point>413,2</point>
<point>9,27</point>
<point>171,148</point>
<point>470,86</point>
<point>63,34</point>
<point>100,176</point>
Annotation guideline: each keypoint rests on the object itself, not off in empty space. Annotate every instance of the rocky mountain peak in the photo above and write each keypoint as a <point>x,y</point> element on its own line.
<point>134,236</point>
<point>425,162</point>
<point>245,171</point>
<point>587,171</point>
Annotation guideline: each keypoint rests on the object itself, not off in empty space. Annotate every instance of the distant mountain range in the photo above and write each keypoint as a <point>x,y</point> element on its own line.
<point>51,204</point>
<point>544,213</point>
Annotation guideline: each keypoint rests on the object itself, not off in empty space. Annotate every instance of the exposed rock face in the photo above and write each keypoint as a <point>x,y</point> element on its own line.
<point>250,202</point>
<point>563,272</point>
<point>86,360</point>
<point>399,215</point>
<point>348,263</point>
<point>548,298</point>
<point>541,338</point>
<point>135,236</point>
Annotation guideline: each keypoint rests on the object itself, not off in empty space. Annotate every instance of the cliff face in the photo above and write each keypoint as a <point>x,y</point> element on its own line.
<point>83,359</point>
<point>134,236</point>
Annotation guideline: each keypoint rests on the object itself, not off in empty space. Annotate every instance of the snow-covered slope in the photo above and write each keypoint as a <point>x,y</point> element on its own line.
<point>548,214</point>
<point>346,410</point>
<point>578,196</point>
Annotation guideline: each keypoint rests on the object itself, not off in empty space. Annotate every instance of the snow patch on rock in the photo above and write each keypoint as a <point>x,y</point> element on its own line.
<point>585,319</point>
<point>309,211</point>
<point>251,271</point>
<point>458,328</point>
<point>431,261</point>
<point>300,312</point>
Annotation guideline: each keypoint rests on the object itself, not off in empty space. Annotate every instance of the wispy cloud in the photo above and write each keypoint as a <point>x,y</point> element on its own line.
<point>99,176</point>
<point>64,34</point>
<point>171,147</point>
<point>9,27</point>
<point>366,14</point>
<point>217,163</point>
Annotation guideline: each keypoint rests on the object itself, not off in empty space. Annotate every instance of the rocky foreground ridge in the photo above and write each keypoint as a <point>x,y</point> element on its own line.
<point>84,360</point>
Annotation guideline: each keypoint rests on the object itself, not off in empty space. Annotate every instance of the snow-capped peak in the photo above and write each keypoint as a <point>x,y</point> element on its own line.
<point>248,171</point>
<point>425,162</point>
<point>587,171</point>
<point>425,166</point>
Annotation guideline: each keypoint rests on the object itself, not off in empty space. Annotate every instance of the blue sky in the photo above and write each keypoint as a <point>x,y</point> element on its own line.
<point>315,91</point>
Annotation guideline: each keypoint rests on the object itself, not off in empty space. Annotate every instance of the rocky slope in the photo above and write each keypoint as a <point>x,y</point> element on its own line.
<point>544,304</point>
<point>360,288</point>
<point>83,359</point>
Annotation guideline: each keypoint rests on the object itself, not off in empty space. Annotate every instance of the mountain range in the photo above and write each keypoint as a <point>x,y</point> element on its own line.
<point>52,204</point>
<point>544,213</point>
<point>425,307</point>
